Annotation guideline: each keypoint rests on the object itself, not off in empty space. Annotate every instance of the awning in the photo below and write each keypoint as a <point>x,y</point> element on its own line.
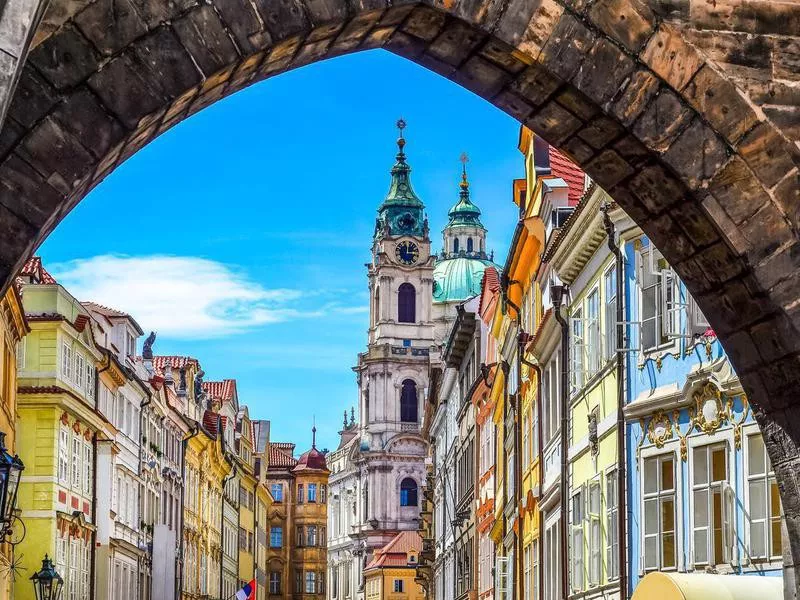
<point>702,586</point>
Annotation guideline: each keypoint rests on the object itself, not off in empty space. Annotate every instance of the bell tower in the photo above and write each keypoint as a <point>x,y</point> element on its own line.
<point>393,371</point>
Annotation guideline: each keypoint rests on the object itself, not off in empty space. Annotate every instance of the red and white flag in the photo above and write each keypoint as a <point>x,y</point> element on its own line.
<point>248,592</point>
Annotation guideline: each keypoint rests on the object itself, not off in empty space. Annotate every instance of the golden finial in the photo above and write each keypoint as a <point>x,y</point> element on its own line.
<point>464,158</point>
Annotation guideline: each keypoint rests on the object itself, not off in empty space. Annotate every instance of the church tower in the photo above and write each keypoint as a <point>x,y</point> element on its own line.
<point>393,372</point>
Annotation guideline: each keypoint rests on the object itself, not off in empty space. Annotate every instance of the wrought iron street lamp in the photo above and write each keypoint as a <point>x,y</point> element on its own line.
<point>10,470</point>
<point>47,583</point>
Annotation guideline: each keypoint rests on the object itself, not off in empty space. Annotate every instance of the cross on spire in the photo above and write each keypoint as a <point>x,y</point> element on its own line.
<point>314,432</point>
<point>464,158</point>
<point>401,140</point>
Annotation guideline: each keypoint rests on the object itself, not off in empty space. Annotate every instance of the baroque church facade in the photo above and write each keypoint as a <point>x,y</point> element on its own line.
<point>378,470</point>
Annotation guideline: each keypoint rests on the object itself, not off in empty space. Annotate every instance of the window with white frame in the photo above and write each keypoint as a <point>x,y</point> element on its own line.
<point>535,570</point>
<point>64,441</point>
<point>526,424</point>
<point>610,312</point>
<point>552,545</point>
<point>311,582</point>
<point>577,350</point>
<point>658,496</point>
<point>653,305</point>
<point>764,502</point>
<point>612,526</point>
<point>528,581</point>
<point>551,384</point>
<point>595,542</point>
<point>75,467</point>
<point>576,541</point>
<point>502,583</point>
<point>712,516</point>
<point>87,468</point>
<point>66,361</point>
<point>593,349</point>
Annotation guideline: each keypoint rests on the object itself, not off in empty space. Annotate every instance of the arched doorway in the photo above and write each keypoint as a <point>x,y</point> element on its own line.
<point>642,99</point>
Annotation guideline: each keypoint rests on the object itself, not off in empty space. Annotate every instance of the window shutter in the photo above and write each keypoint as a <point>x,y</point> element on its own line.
<point>728,516</point>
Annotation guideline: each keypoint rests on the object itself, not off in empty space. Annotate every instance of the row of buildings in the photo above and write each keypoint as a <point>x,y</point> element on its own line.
<point>556,426</point>
<point>141,480</point>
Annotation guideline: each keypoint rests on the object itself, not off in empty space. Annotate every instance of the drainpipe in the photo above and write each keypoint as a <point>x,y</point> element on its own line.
<point>184,443</point>
<point>564,447</point>
<point>540,448</point>
<point>620,366</point>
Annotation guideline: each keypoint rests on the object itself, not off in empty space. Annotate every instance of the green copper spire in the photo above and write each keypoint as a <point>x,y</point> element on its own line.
<point>402,212</point>
<point>464,212</point>
<point>400,190</point>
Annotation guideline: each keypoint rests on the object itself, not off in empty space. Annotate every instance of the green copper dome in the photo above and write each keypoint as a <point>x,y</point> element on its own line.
<point>456,279</point>
<point>464,212</point>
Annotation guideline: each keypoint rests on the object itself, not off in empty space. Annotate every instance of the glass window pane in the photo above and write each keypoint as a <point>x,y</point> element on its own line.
<point>775,499</point>
<point>719,468</point>
<point>758,500</point>
<point>651,552</point>
<point>758,547</point>
<point>667,475</point>
<point>700,508</point>
<point>700,465</point>
<point>668,551</point>
<point>651,516</point>
<point>756,455</point>
<point>650,475</point>
<point>775,540</point>
<point>667,515</point>
<point>701,546</point>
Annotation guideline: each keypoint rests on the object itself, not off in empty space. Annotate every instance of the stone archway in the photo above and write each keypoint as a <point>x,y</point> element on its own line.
<point>653,100</point>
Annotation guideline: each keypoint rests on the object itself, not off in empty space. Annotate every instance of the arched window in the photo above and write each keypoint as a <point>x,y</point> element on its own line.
<point>377,304</point>
<point>408,492</point>
<point>406,303</point>
<point>408,402</point>
<point>469,244</point>
<point>455,245</point>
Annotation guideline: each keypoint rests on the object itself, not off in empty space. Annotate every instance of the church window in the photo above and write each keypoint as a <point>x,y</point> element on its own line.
<point>408,402</point>
<point>300,494</point>
<point>455,245</point>
<point>406,303</point>
<point>469,244</point>
<point>408,492</point>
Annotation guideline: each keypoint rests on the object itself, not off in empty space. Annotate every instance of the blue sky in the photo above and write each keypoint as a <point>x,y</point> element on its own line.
<point>241,234</point>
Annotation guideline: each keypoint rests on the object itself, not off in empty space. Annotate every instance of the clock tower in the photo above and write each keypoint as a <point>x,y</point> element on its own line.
<point>393,372</point>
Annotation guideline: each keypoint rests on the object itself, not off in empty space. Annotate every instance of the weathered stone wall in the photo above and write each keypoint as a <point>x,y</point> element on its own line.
<point>620,85</point>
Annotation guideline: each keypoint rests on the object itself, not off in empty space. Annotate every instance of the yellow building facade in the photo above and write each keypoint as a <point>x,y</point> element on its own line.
<point>13,329</point>
<point>247,497</point>
<point>391,573</point>
<point>56,409</point>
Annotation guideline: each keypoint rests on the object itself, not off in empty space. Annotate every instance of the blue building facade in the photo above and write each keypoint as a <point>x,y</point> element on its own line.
<point>701,494</point>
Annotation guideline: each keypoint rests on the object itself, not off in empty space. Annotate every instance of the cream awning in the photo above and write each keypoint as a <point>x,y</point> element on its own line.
<point>702,586</point>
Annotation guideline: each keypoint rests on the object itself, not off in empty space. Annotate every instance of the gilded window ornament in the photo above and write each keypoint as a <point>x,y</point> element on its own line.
<point>684,448</point>
<point>711,410</point>
<point>659,430</point>
<point>737,426</point>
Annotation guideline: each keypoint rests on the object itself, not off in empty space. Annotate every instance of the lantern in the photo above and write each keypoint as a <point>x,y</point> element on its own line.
<point>47,583</point>
<point>10,470</point>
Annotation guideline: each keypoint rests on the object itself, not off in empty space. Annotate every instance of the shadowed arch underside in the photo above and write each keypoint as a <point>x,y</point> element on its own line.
<point>635,93</point>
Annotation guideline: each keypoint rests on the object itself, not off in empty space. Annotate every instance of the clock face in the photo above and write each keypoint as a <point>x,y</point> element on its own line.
<point>407,252</point>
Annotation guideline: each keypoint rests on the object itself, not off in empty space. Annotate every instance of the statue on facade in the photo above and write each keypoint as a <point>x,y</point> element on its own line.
<point>182,384</point>
<point>198,385</point>
<point>147,348</point>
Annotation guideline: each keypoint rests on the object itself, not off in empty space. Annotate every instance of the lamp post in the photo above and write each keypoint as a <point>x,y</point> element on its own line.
<point>10,470</point>
<point>47,583</point>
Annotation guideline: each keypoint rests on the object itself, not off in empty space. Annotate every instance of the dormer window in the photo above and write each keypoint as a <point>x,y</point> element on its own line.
<point>130,345</point>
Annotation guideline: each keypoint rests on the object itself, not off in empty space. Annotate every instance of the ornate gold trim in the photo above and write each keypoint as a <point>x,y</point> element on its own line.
<point>708,393</point>
<point>684,448</point>
<point>659,418</point>
<point>737,426</point>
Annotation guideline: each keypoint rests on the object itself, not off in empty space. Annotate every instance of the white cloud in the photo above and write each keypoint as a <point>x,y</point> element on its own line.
<point>184,296</point>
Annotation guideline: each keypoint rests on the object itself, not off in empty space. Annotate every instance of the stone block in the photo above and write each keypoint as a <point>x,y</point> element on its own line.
<point>719,264</point>
<point>424,23</point>
<point>633,151</point>
<point>604,72</point>
<point>767,153</point>
<point>55,15</point>
<point>33,98</point>
<point>786,57</point>
<point>546,15</point>
<point>66,59</point>
<point>576,103</point>
<point>787,195</point>
<point>608,168</point>
<point>324,31</point>
<point>405,45</point>
<point>325,11</point>
<point>378,37</point>
<point>766,231</point>
<point>774,338</point>
<point>577,150</point>
<point>16,237</point>
<point>159,12</point>
<point>630,22</point>
<point>695,279</point>
<point>600,132</point>
<point>567,48</point>
<point>513,22</point>
<point>125,92</point>
<point>783,264</point>
<point>697,155</point>
<point>455,43</point>
<point>52,150</point>
<point>554,123</point>
<point>729,231</point>
<point>667,233</point>
<point>396,14</point>
<point>480,12</point>
<point>634,96</point>
<point>696,223</point>
<point>738,192</point>
<point>202,34</point>
<point>535,84</point>
<point>356,30</point>
<point>241,19</point>
<point>84,116</point>
<point>311,52</point>
<point>671,57</point>
<point>657,189</point>
<point>751,16</point>
<point>10,134</point>
<point>482,77</point>
<point>662,121</point>
<point>503,55</point>
<point>15,24</point>
<point>111,26</point>
<point>26,193</point>
<point>514,105</point>
<point>718,100</point>
<point>283,18</point>
<point>165,63</point>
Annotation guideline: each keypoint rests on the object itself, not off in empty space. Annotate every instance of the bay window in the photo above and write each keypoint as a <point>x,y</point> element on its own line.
<point>659,512</point>
<point>593,332</point>
<point>594,533</point>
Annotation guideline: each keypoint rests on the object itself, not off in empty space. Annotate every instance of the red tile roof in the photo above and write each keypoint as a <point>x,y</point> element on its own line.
<point>222,390</point>
<point>176,362</point>
<point>109,312</point>
<point>36,271</point>
<point>280,455</point>
<point>562,167</point>
<point>211,422</point>
<point>489,286</point>
<point>395,553</point>
<point>311,460</point>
